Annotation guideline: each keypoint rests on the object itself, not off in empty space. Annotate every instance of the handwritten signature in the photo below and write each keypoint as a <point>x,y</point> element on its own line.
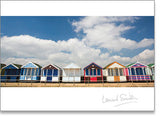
<point>121,99</point>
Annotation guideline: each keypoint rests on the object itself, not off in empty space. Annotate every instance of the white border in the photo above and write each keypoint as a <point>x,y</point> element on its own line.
<point>48,99</point>
<point>77,8</point>
<point>77,99</point>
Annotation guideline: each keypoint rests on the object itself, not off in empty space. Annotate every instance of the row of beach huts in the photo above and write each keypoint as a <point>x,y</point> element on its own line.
<point>113,72</point>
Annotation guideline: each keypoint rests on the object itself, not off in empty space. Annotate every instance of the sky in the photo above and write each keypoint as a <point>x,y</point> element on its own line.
<point>62,40</point>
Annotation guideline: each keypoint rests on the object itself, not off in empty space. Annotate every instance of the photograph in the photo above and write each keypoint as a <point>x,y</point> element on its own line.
<point>77,51</point>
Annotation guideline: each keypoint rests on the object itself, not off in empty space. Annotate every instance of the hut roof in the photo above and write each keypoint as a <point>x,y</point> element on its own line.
<point>18,65</point>
<point>31,64</point>
<point>150,65</point>
<point>57,66</point>
<point>52,66</point>
<point>137,64</point>
<point>72,65</point>
<point>2,65</point>
<point>88,66</point>
<point>113,63</point>
<point>37,65</point>
<point>130,65</point>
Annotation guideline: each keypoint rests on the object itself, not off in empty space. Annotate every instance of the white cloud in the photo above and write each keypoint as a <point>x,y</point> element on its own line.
<point>89,22</point>
<point>103,32</point>
<point>25,48</point>
<point>146,57</point>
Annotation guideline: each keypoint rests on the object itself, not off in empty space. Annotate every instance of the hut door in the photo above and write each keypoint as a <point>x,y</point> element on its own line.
<point>116,78</point>
<point>9,73</point>
<point>116,75</point>
<point>28,75</point>
<point>87,79</point>
<point>49,75</point>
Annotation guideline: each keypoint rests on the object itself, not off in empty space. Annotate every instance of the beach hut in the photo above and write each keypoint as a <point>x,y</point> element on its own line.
<point>71,73</point>
<point>115,72</point>
<point>11,72</point>
<point>2,65</point>
<point>2,71</point>
<point>93,73</point>
<point>151,71</point>
<point>30,71</point>
<point>137,72</point>
<point>51,73</point>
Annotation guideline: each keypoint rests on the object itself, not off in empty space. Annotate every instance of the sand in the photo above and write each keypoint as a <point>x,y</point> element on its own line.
<point>127,84</point>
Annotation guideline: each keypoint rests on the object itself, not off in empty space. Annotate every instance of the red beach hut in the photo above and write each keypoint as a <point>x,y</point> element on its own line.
<point>93,73</point>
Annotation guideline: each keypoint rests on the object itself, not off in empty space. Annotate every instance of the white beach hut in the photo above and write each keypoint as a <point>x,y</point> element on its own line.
<point>115,72</point>
<point>71,73</point>
<point>51,73</point>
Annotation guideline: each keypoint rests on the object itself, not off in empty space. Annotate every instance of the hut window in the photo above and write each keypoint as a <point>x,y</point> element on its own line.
<point>86,71</point>
<point>34,72</point>
<point>139,71</point>
<point>116,72</point>
<point>28,72</point>
<point>49,72</point>
<point>94,71</point>
<point>98,72</point>
<point>111,72</point>
<point>37,72</point>
<point>121,71</point>
<point>66,71</point>
<point>91,72</point>
<point>22,70</point>
<point>144,71</point>
<point>77,73</point>
<point>44,72</point>
<point>133,71</point>
<point>71,73</point>
<point>25,71</point>
<point>55,72</point>
<point>129,71</point>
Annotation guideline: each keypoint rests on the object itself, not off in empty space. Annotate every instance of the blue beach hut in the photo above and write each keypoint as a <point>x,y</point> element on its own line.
<point>11,73</point>
<point>30,71</point>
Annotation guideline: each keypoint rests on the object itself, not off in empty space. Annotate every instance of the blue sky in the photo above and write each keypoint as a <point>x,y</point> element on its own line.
<point>130,31</point>
<point>60,28</point>
<point>54,28</point>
